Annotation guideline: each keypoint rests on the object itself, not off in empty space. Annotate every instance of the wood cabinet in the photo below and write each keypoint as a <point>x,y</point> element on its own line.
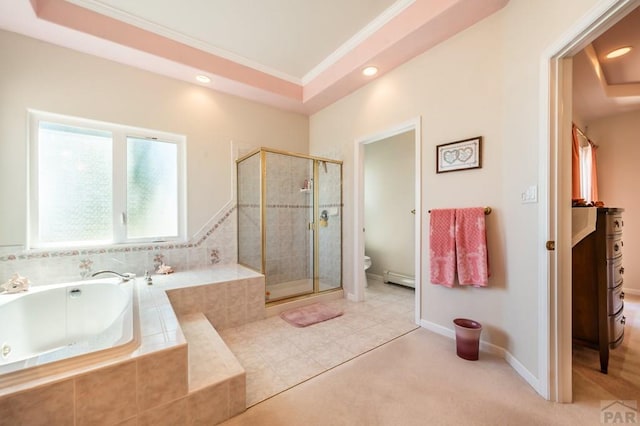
<point>598,306</point>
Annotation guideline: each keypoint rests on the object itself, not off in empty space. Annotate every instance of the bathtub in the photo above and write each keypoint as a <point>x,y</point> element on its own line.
<point>60,322</point>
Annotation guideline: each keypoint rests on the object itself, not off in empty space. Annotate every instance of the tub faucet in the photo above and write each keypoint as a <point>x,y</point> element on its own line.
<point>125,277</point>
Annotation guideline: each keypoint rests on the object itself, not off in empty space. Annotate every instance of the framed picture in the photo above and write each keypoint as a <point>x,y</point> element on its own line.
<point>460,155</point>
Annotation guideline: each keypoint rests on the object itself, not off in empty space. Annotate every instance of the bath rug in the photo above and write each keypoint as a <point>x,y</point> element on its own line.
<point>310,314</point>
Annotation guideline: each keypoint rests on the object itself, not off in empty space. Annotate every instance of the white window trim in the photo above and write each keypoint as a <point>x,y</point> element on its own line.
<point>120,133</point>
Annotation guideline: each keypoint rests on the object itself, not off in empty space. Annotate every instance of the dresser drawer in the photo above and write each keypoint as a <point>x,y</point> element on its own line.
<point>614,224</point>
<point>616,326</point>
<point>615,272</point>
<point>614,246</point>
<point>615,297</point>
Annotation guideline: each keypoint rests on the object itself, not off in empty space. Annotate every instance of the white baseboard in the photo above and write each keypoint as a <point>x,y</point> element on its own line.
<point>374,277</point>
<point>489,348</point>
<point>632,291</point>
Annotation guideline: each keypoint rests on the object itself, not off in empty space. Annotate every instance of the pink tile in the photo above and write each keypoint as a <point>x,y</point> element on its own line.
<point>106,396</point>
<point>45,405</point>
<point>171,414</point>
<point>237,395</point>
<point>133,421</point>
<point>162,377</point>
<point>255,290</point>
<point>210,405</point>
<point>187,300</point>
<point>237,293</point>
<point>236,315</point>
<point>256,311</point>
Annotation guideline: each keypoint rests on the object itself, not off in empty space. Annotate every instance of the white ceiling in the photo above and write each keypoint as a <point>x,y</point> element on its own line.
<point>283,37</point>
<point>604,87</point>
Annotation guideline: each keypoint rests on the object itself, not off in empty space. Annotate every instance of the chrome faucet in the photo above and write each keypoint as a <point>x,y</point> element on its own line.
<point>125,277</point>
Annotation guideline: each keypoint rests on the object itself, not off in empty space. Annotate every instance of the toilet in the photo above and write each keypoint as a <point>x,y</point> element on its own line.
<point>367,265</point>
<point>367,262</point>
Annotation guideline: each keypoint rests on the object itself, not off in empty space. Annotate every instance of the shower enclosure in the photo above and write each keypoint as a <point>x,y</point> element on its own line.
<point>290,221</point>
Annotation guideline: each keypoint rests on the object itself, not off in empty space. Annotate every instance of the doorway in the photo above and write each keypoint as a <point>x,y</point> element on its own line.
<point>412,126</point>
<point>556,349</point>
<point>389,170</point>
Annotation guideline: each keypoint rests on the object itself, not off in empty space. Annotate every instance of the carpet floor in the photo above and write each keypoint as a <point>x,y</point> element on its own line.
<point>417,379</point>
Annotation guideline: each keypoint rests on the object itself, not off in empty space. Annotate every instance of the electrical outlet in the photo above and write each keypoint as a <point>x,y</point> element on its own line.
<point>530,195</point>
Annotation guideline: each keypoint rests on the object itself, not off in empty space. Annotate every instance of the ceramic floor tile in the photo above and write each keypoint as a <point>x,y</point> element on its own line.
<point>277,355</point>
<point>331,355</point>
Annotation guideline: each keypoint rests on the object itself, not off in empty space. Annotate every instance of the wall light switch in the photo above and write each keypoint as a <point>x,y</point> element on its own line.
<point>530,195</point>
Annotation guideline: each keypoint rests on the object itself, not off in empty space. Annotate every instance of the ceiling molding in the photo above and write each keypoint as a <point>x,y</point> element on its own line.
<point>610,90</point>
<point>404,31</point>
<point>374,26</point>
<point>136,21</point>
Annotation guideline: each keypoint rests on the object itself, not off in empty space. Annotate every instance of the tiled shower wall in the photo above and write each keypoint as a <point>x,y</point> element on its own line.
<point>215,243</point>
<point>288,213</point>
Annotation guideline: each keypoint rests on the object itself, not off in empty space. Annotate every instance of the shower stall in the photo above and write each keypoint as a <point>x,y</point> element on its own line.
<point>290,222</point>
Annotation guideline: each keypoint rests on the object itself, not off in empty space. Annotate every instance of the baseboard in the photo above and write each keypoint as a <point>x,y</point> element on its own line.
<point>632,291</point>
<point>374,277</point>
<point>489,348</point>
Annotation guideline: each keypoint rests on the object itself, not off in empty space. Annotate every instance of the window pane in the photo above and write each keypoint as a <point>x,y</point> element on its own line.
<point>152,188</point>
<point>74,184</point>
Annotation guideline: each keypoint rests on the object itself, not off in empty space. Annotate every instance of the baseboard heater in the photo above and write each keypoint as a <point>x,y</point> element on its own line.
<point>397,278</point>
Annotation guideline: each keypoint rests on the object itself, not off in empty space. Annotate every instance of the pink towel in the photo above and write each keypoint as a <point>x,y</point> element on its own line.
<point>471,247</point>
<point>442,247</point>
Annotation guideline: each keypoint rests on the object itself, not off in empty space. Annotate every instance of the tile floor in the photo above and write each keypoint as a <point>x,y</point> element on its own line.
<point>277,356</point>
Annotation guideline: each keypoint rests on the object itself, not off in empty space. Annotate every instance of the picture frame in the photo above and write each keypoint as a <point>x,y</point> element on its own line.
<point>459,155</point>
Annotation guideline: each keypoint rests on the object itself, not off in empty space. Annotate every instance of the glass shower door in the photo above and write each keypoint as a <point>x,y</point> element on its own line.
<point>249,218</point>
<point>329,225</point>
<point>288,238</point>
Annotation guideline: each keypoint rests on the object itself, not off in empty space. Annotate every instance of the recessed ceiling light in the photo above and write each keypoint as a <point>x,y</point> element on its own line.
<point>618,52</point>
<point>370,71</point>
<point>203,78</point>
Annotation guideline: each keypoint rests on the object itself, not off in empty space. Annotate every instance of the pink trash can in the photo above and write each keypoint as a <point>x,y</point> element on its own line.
<point>467,338</point>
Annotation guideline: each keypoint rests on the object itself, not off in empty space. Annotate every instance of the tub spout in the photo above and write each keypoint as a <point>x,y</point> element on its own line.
<point>125,277</point>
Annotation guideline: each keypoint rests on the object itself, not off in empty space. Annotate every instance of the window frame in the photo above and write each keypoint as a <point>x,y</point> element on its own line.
<point>119,133</point>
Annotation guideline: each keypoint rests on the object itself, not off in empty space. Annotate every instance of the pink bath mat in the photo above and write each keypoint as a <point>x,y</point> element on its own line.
<point>311,314</point>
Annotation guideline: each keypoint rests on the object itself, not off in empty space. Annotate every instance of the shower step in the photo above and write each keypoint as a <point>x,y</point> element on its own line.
<point>214,370</point>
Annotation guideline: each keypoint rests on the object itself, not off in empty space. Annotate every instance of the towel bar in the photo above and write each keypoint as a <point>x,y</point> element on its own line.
<point>487,210</point>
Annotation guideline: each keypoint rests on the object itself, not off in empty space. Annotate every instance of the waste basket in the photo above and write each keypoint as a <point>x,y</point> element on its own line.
<point>467,338</point>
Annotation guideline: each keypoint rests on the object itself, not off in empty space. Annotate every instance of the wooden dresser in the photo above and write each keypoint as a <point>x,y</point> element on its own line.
<point>597,314</point>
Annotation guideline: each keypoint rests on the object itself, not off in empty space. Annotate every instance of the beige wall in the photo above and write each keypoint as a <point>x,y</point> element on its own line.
<point>38,75</point>
<point>389,197</point>
<point>484,81</point>
<point>618,175</point>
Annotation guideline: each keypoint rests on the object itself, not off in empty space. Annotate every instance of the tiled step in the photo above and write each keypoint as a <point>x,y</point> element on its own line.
<point>214,372</point>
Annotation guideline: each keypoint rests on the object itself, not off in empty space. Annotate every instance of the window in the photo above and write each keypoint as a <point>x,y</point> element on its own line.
<point>94,183</point>
<point>586,172</point>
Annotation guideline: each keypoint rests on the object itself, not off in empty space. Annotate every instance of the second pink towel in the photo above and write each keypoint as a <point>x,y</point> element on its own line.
<point>471,247</point>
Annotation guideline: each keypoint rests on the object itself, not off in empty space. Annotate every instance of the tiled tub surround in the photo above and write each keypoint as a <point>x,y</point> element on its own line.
<point>215,243</point>
<point>150,385</point>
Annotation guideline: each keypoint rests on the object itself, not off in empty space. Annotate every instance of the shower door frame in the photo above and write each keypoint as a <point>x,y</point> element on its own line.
<point>312,226</point>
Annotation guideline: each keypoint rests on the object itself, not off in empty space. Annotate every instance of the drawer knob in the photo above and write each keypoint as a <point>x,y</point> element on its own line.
<point>616,223</point>
<point>616,247</point>
<point>623,320</point>
<point>622,295</point>
<point>622,270</point>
